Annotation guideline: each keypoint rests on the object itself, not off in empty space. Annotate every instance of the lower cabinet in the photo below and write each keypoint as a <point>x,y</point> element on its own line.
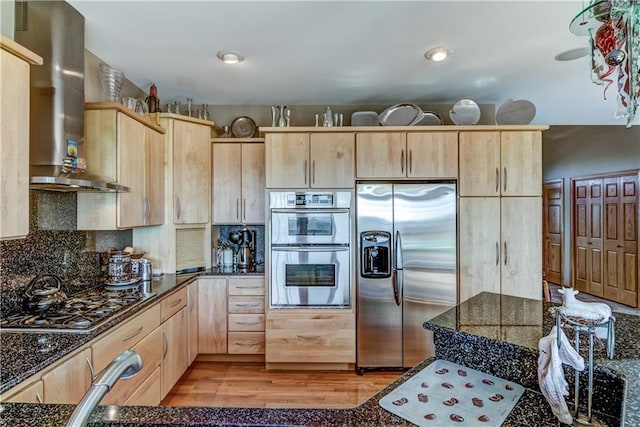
<point>69,380</point>
<point>231,315</point>
<point>310,338</point>
<point>148,394</point>
<point>175,352</point>
<point>31,393</point>
<point>192,320</point>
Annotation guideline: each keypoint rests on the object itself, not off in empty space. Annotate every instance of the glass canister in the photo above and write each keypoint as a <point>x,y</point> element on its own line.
<point>119,267</point>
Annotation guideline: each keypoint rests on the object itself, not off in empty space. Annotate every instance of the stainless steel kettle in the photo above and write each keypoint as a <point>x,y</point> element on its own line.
<point>43,293</point>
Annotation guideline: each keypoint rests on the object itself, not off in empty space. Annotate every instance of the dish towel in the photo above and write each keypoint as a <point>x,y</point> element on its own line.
<point>550,372</point>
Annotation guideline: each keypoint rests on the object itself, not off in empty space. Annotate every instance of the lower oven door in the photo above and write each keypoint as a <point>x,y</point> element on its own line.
<point>310,276</point>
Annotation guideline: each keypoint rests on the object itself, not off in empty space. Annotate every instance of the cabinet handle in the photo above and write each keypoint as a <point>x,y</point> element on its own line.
<point>402,161</point>
<point>177,208</point>
<point>309,337</point>
<point>505,179</point>
<point>38,397</point>
<point>497,180</point>
<point>506,257</point>
<point>237,208</point>
<point>410,161</point>
<point>305,172</point>
<point>248,343</point>
<point>248,287</point>
<point>166,344</point>
<point>497,253</point>
<point>90,368</point>
<point>247,305</point>
<point>174,304</point>
<point>244,208</point>
<point>248,323</point>
<point>313,171</point>
<point>618,246</point>
<point>134,334</point>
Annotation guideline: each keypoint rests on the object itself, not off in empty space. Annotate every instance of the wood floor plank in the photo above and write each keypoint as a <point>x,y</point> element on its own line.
<point>250,385</point>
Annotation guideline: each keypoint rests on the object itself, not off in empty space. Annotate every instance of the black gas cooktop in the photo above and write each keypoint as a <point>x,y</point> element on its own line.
<point>82,312</point>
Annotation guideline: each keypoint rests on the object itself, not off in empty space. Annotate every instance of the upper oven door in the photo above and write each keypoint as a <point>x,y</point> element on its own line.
<point>310,276</point>
<point>302,227</point>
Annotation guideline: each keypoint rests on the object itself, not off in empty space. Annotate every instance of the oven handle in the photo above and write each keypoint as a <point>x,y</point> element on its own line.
<point>309,211</point>
<point>310,248</point>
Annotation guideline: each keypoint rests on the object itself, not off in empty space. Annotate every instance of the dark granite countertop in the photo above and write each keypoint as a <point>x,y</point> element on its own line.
<point>530,410</point>
<point>26,353</point>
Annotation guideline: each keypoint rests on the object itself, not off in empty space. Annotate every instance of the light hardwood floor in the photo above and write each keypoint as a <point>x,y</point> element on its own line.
<point>250,385</point>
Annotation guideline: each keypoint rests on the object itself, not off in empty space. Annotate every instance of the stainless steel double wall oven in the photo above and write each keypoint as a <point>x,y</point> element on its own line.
<point>310,242</point>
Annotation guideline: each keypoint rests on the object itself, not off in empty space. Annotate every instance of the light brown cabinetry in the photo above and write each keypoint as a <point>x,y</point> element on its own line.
<point>69,380</point>
<point>238,183</point>
<point>15,63</point>
<point>407,155</point>
<point>31,393</point>
<point>500,246</point>
<point>191,144</point>
<point>309,160</point>
<point>231,314</point>
<point>126,148</point>
<point>494,163</point>
<point>320,338</point>
<point>148,394</point>
<point>175,353</point>
<point>192,320</point>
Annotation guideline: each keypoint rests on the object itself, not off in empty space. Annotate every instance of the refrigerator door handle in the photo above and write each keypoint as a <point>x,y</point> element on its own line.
<point>397,268</point>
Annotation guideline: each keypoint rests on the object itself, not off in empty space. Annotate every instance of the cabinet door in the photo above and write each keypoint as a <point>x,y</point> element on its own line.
<point>479,246</point>
<point>69,380</point>
<point>212,315</point>
<point>479,154</point>
<point>192,329</point>
<point>154,177</point>
<point>521,246</point>
<point>191,173</point>
<point>521,159</point>
<point>130,171</point>
<point>253,167</point>
<point>287,160</point>
<point>332,160</point>
<point>381,155</point>
<point>432,155</point>
<point>14,150</point>
<point>148,394</point>
<point>227,183</point>
<point>30,394</point>
<point>176,352</point>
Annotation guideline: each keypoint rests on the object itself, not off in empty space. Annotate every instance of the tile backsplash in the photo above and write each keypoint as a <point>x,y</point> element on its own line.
<point>53,246</point>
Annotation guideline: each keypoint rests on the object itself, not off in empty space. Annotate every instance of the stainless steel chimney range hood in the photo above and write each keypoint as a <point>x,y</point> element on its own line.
<point>55,30</point>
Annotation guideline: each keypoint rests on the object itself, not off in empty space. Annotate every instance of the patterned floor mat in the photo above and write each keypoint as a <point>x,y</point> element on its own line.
<point>447,394</point>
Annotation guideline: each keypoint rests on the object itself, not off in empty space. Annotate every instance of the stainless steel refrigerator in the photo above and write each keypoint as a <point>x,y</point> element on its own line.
<point>407,269</point>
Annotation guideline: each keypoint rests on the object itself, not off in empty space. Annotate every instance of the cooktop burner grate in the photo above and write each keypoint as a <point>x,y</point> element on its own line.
<point>82,313</point>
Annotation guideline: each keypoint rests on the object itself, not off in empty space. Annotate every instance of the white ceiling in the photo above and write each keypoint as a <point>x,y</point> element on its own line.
<point>352,53</point>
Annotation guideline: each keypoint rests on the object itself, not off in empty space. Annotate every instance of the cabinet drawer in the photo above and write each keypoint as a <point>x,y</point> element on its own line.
<point>304,338</point>
<point>150,350</point>
<point>31,393</point>
<point>246,343</point>
<point>246,322</point>
<point>124,337</point>
<point>246,286</point>
<point>148,394</point>
<point>246,304</point>
<point>172,304</point>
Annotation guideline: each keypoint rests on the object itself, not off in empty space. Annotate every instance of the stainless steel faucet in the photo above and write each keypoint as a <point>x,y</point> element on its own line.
<point>126,365</point>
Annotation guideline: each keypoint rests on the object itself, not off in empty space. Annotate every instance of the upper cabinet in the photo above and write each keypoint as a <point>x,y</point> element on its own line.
<point>507,163</point>
<point>127,148</point>
<point>15,62</point>
<point>238,182</point>
<point>191,153</point>
<point>309,160</point>
<point>407,155</point>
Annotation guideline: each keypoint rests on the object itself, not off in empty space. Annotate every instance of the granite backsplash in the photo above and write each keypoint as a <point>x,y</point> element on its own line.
<point>53,246</point>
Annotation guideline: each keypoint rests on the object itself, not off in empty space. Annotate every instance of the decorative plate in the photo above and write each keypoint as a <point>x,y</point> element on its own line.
<point>243,127</point>
<point>465,112</point>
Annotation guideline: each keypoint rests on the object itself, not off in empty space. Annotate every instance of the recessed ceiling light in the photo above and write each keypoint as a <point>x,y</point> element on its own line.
<point>229,57</point>
<point>437,54</point>
<point>571,54</point>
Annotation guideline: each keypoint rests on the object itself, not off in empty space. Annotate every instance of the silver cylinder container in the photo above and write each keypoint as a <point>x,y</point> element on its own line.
<point>146,269</point>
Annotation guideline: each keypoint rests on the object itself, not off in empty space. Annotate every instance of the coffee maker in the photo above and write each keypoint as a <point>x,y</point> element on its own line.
<point>245,238</point>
